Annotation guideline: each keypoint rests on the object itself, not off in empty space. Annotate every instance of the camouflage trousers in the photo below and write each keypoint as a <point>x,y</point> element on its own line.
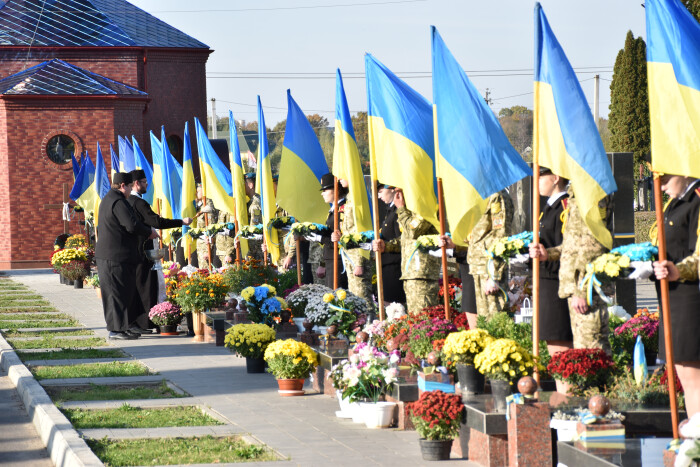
<point>361,285</point>
<point>489,305</point>
<point>255,249</point>
<point>420,293</point>
<point>591,329</point>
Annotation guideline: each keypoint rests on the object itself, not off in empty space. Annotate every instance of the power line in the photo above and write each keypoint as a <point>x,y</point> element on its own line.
<point>362,73</point>
<point>298,7</point>
<point>416,76</point>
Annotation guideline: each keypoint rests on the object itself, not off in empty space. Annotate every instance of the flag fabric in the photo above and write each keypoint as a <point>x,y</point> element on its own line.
<point>102,182</point>
<point>238,181</point>
<point>188,204</point>
<point>252,163</point>
<point>472,153</point>
<point>346,159</point>
<point>115,160</point>
<point>301,168</point>
<point>566,138</point>
<point>401,144</point>
<point>76,166</point>
<point>641,370</point>
<point>143,164</point>
<point>157,180</point>
<point>172,189</point>
<point>167,181</point>
<point>673,71</point>
<point>83,191</point>
<point>216,178</point>
<point>265,188</point>
<point>127,161</point>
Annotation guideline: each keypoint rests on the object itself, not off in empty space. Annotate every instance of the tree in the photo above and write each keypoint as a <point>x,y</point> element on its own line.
<point>359,124</point>
<point>517,123</point>
<point>693,7</point>
<point>629,102</point>
<point>604,133</point>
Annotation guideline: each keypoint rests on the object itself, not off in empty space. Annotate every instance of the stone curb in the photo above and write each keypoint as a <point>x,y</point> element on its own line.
<point>63,444</point>
<point>39,338</point>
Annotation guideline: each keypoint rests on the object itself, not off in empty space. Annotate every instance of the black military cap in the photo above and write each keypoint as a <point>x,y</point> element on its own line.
<point>327,182</point>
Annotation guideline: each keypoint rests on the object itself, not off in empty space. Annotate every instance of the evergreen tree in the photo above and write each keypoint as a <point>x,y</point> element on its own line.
<point>693,7</point>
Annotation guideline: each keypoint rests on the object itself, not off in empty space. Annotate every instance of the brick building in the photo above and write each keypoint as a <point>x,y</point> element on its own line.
<point>74,73</point>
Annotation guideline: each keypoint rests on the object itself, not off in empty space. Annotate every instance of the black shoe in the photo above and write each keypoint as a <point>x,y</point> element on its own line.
<point>139,330</point>
<point>130,332</point>
<point>121,336</point>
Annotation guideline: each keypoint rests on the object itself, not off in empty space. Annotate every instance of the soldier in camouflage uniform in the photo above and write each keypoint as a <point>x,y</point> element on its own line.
<point>359,271</point>
<point>202,242</point>
<point>589,324</point>
<point>225,243</point>
<point>254,215</point>
<point>420,276</point>
<point>490,285</point>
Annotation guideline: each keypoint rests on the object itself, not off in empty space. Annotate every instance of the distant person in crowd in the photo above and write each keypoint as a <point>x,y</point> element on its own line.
<point>205,245</point>
<point>326,270</point>
<point>254,215</point>
<point>390,232</point>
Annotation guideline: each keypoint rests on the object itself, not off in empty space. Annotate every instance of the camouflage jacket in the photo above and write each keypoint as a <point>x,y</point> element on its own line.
<point>358,256</point>
<point>495,223</point>
<point>201,223</point>
<point>255,210</point>
<point>423,265</point>
<point>225,244</point>
<point>578,248</point>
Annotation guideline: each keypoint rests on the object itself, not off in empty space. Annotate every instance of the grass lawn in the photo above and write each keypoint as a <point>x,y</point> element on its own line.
<point>15,324</point>
<point>66,354</point>
<point>127,416</point>
<point>81,332</point>
<point>109,392</point>
<point>90,370</point>
<point>33,316</point>
<point>5,301</point>
<point>173,451</point>
<point>50,343</point>
<point>26,309</point>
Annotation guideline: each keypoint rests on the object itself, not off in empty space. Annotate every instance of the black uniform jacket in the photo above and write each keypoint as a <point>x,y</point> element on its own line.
<point>119,230</point>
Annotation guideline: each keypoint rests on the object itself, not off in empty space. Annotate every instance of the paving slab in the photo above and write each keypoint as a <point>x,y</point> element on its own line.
<point>75,361</point>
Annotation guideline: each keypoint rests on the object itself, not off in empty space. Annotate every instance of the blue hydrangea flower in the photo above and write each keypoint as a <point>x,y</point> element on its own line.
<point>261,293</point>
<point>271,305</point>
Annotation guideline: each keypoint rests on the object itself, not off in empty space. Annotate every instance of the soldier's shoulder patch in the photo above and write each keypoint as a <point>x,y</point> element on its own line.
<point>498,222</point>
<point>496,207</point>
<point>415,223</point>
<point>341,208</point>
<point>565,203</point>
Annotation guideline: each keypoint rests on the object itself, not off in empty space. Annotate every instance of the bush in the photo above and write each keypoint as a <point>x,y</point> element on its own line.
<point>643,221</point>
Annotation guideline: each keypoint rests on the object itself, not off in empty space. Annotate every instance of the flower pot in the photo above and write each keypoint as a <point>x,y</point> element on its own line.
<point>61,279</point>
<point>300,323</point>
<point>356,412</point>
<point>378,414</point>
<point>190,326</point>
<point>198,326</point>
<point>291,387</point>
<point>471,380</point>
<point>78,283</point>
<point>168,330</point>
<point>650,357</point>
<point>321,330</point>
<point>500,390</point>
<point>345,409</point>
<point>255,365</point>
<point>435,449</point>
<point>563,387</point>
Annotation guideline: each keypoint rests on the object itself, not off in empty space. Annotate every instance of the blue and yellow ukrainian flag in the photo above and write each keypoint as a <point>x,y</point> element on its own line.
<point>188,205</point>
<point>216,178</point>
<point>76,166</point>
<point>167,181</point>
<point>127,162</point>
<point>401,145</point>
<point>238,181</point>
<point>641,370</point>
<point>115,160</point>
<point>673,71</point>
<point>565,137</point>
<point>472,153</point>
<point>83,191</point>
<point>301,168</point>
<point>265,187</point>
<point>173,182</point>
<point>346,159</point>
<point>157,181</point>
<point>143,164</point>
<point>102,181</point>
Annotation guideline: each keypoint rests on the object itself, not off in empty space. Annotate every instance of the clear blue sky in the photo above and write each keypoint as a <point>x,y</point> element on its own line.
<point>311,38</point>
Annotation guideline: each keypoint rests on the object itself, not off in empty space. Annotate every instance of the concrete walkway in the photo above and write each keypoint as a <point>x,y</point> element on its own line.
<point>304,429</point>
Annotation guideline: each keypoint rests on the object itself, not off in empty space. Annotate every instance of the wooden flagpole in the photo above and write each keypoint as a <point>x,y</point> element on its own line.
<point>335,229</point>
<point>298,244</point>
<point>665,307</point>
<point>235,224</point>
<point>445,277</point>
<point>377,255</point>
<point>536,266</point>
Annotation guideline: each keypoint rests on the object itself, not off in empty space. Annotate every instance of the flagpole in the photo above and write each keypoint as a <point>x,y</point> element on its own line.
<point>377,254</point>
<point>445,277</point>
<point>536,266</point>
<point>298,244</point>
<point>665,307</point>
<point>160,239</point>
<point>335,229</point>
<point>235,226</point>
<point>206,224</point>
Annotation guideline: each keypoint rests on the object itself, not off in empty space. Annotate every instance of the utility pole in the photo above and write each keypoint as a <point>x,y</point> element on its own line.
<point>213,119</point>
<point>487,97</point>
<point>596,99</point>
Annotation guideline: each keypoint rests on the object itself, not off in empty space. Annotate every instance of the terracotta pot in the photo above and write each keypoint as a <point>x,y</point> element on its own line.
<point>291,387</point>
<point>198,326</point>
<point>563,387</point>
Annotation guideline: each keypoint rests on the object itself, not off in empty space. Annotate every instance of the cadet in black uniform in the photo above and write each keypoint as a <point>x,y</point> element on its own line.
<point>391,261</point>
<point>327,191</point>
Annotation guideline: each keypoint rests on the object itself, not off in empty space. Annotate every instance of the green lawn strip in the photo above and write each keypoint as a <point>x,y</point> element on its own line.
<point>127,416</point>
<point>15,324</point>
<point>81,332</point>
<point>110,392</point>
<point>20,297</point>
<point>51,343</point>
<point>26,309</point>
<point>172,451</point>
<point>8,302</point>
<point>67,354</point>
<point>34,316</point>
<point>90,370</point>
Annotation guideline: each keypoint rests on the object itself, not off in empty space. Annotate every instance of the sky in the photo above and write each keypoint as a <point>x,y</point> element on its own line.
<point>265,47</point>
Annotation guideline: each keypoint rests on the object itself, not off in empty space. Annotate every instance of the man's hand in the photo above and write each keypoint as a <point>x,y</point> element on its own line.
<point>579,305</point>
<point>154,234</point>
<point>490,287</point>
<point>666,270</point>
<point>537,250</point>
<point>288,262</point>
<point>446,241</point>
<point>378,245</point>
<point>263,247</point>
<point>335,236</point>
<point>187,221</point>
<point>321,272</point>
<point>206,209</point>
<point>359,270</point>
<point>399,200</point>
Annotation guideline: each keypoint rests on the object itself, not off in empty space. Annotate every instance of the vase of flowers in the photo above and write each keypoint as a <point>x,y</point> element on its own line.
<point>580,368</point>
<point>462,347</point>
<point>291,362</point>
<point>250,341</point>
<point>436,416</point>
<point>263,306</point>
<point>166,316</point>
<point>342,314</point>
<point>643,324</point>
<point>504,361</point>
<point>198,292</point>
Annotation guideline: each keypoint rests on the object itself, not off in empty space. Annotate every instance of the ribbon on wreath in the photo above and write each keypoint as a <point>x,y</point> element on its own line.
<point>516,398</point>
<point>591,283</point>
<point>588,418</point>
<point>67,212</point>
<point>674,445</point>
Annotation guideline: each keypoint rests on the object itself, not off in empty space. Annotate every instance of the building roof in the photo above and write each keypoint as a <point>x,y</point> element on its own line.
<point>56,77</point>
<point>86,23</point>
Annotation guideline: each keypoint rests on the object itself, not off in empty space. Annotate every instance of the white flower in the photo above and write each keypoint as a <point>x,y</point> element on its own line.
<point>394,311</point>
<point>692,428</point>
<point>390,375</point>
<point>354,358</point>
<point>394,358</point>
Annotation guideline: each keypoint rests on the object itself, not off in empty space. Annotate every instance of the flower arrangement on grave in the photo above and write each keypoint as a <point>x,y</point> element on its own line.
<point>464,346</point>
<point>76,241</point>
<point>200,291</point>
<point>165,314</point>
<point>363,240</point>
<point>645,325</point>
<point>249,273</point>
<point>170,268</point>
<point>290,359</point>
<point>505,360</point>
<point>437,415</point>
<point>251,231</point>
<point>263,306</point>
<point>344,313</point>
<point>652,393</point>
<point>377,332</point>
<point>75,270</point>
<point>64,256</point>
<point>94,281</point>
<point>307,301</point>
<point>581,367</point>
<point>249,340</point>
<point>394,311</point>
<point>282,222</point>
<point>309,230</point>
<point>689,451</point>
<point>507,248</point>
<point>369,373</point>
<point>422,334</point>
<point>454,288</point>
<point>208,231</point>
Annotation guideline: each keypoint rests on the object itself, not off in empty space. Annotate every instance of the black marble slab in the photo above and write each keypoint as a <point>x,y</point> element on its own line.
<point>216,320</point>
<point>643,452</point>
<point>329,358</point>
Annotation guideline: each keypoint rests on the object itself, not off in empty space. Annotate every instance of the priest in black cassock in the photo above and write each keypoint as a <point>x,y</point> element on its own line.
<point>146,278</point>
<point>117,255</point>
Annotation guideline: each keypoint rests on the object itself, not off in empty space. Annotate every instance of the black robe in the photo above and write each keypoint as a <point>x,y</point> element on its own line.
<point>391,262</point>
<point>328,252</point>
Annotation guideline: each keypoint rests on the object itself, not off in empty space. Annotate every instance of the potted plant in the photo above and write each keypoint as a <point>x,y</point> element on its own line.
<point>250,341</point>
<point>291,362</point>
<point>342,313</point>
<point>422,334</point>
<point>263,306</point>
<point>461,348</point>
<point>504,361</point>
<point>197,293</point>
<point>308,299</point>
<point>62,257</point>
<point>75,270</point>
<point>436,416</point>
<point>580,368</point>
<point>336,376</point>
<point>645,325</point>
<point>166,316</point>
